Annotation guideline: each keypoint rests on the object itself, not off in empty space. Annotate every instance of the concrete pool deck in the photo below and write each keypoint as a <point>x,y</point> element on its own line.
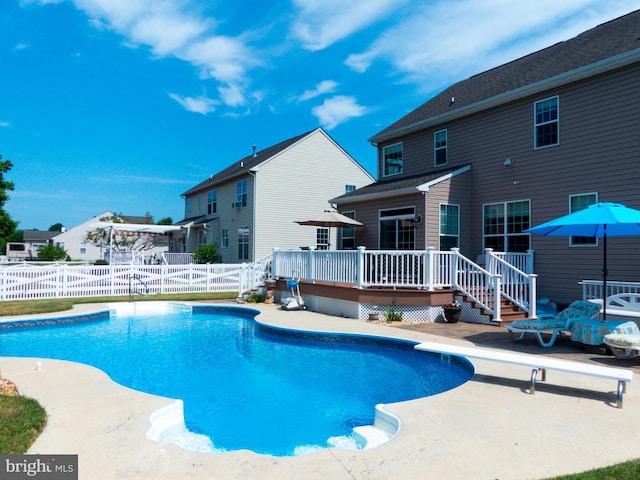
<point>489,428</point>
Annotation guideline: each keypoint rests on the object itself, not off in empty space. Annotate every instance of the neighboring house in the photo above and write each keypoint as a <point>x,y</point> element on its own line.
<point>32,242</point>
<point>76,246</point>
<point>513,147</point>
<point>250,207</point>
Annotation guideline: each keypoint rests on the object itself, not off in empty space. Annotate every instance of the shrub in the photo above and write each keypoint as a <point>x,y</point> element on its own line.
<point>51,253</point>
<point>206,253</point>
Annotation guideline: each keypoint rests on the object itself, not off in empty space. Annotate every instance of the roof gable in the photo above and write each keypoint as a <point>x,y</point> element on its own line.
<point>398,186</point>
<point>248,163</point>
<point>606,41</point>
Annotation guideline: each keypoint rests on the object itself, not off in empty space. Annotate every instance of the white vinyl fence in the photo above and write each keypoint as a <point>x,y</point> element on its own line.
<point>60,280</point>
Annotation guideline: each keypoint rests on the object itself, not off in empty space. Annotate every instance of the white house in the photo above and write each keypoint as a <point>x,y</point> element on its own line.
<point>251,207</point>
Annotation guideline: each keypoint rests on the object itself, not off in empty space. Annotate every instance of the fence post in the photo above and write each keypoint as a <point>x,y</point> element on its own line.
<point>454,266</point>
<point>530,262</point>
<point>430,269</point>
<point>310,266</point>
<point>489,264</point>
<point>360,267</point>
<point>497,288</point>
<point>274,264</point>
<point>241,279</point>
<point>533,295</point>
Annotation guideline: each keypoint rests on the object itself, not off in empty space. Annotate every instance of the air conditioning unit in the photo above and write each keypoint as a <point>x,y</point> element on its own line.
<point>236,204</point>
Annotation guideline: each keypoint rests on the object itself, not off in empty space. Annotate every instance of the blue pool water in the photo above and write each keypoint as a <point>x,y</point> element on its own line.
<point>244,385</point>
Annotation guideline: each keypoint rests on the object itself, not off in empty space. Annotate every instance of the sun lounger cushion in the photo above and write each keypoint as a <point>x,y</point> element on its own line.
<point>623,340</point>
<point>578,309</point>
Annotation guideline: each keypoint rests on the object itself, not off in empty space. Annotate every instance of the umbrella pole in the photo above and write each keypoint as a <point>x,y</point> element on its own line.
<point>604,277</point>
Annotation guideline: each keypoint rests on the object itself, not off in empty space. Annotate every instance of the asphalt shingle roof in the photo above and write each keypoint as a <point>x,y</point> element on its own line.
<point>605,41</point>
<point>244,165</point>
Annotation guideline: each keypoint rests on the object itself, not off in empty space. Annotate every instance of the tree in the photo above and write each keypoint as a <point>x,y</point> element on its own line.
<point>7,224</point>
<point>51,253</point>
<point>206,253</point>
<point>165,221</point>
<point>56,227</point>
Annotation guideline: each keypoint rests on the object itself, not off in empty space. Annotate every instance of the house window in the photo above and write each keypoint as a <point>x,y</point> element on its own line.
<point>188,205</point>
<point>322,239</point>
<point>397,229</point>
<point>392,156</point>
<point>225,238</point>
<point>243,243</point>
<point>349,188</point>
<point>202,237</point>
<point>547,123</point>
<point>349,233</point>
<point>198,203</point>
<point>212,202</point>
<point>577,203</point>
<point>449,226</point>
<point>440,148</point>
<point>241,193</point>
<point>504,224</point>
<point>83,248</point>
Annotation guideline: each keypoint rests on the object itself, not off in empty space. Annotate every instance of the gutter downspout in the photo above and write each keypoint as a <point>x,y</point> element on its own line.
<point>253,215</point>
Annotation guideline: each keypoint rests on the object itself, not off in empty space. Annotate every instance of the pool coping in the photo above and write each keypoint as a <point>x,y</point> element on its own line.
<point>487,428</point>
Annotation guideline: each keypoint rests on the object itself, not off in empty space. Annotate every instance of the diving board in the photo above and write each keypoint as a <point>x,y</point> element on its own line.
<point>537,363</point>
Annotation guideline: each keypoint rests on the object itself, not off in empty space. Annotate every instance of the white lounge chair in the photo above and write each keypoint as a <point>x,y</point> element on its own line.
<point>553,325</point>
<point>623,345</point>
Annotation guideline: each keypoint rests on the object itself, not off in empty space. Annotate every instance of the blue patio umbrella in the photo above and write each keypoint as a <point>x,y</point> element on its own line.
<point>600,220</point>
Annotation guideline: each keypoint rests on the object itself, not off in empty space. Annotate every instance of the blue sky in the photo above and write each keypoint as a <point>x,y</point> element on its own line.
<point>123,105</point>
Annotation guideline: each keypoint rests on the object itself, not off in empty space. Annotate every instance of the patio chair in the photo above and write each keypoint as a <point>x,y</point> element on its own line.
<point>553,325</point>
<point>623,345</point>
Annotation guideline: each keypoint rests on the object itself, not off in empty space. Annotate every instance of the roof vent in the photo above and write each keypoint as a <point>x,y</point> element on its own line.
<point>254,151</point>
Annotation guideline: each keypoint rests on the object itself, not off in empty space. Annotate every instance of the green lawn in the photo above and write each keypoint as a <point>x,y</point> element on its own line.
<point>32,307</point>
<point>21,421</point>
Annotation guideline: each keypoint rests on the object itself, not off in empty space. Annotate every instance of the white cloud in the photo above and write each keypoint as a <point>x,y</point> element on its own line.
<point>326,86</point>
<point>494,32</point>
<point>337,110</point>
<point>201,105</point>
<point>321,23</point>
<point>169,28</point>
<point>4,124</point>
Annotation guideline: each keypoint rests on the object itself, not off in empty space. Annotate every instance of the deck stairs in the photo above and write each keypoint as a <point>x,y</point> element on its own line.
<point>508,311</point>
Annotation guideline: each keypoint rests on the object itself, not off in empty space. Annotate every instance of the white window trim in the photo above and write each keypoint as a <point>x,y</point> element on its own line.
<point>445,148</point>
<point>571,244</point>
<point>384,161</point>
<point>440,224</point>
<point>535,125</point>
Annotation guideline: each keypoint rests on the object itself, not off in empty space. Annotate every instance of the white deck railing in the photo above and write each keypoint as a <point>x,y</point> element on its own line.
<point>424,269</point>
<point>592,289</point>
<point>177,258</point>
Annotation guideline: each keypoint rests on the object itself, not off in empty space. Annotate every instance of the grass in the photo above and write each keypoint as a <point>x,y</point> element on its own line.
<point>32,307</point>
<point>22,419</point>
<point>623,471</point>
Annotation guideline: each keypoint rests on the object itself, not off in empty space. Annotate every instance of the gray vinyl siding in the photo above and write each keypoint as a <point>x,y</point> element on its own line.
<point>454,191</point>
<point>598,151</point>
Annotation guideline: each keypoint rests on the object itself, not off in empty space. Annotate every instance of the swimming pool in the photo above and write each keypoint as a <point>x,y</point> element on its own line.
<point>246,385</point>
